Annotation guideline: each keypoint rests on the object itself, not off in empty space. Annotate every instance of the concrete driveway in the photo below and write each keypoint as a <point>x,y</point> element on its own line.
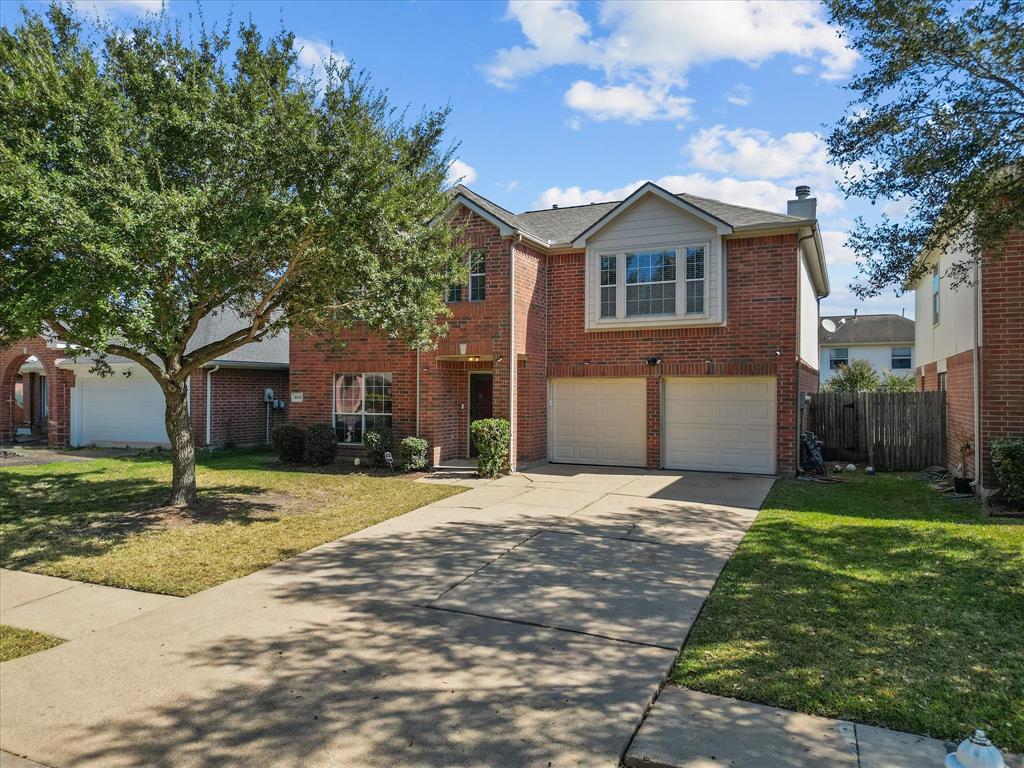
<point>526,622</point>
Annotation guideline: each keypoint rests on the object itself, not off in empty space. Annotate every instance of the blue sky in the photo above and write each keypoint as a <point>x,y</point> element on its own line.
<point>568,103</point>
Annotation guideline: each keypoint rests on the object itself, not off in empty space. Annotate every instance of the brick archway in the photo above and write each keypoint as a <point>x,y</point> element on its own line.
<point>59,383</point>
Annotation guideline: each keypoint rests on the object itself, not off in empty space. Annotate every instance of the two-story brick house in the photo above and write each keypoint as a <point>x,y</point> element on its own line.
<point>661,331</point>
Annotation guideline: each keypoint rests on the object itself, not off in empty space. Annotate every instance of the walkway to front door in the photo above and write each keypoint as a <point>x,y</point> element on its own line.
<point>525,622</point>
<point>481,401</point>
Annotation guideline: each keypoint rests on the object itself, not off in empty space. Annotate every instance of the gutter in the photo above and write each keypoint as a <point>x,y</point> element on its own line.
<point>979,485</point>
<point>512,358</point>
<point>209,395</point>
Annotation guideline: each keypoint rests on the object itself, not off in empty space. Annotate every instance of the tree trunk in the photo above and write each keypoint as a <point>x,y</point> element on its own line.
<point>183,450</point>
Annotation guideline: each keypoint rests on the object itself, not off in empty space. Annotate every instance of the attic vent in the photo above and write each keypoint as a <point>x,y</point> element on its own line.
<point>555,205</point>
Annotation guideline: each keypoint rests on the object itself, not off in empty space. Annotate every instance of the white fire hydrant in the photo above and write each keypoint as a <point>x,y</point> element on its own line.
<point>976,751</point>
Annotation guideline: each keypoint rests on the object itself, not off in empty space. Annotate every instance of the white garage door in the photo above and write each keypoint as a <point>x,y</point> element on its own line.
<point>722,424</point>
<point>117,411</point>
<point>598,421</point>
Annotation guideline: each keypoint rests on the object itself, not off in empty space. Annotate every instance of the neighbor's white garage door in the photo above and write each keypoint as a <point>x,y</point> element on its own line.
<point>723,424</point>
<point>117,411</point>
<point>598,421</point>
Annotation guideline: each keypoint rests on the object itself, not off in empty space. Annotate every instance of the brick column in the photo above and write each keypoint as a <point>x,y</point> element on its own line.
<point>654,422</point>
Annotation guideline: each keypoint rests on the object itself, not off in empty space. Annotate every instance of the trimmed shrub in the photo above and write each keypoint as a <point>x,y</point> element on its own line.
<point>492,438</point>
<point>895,382</point>
<point>1008,460</point>
<point>412,453</point>
<point>289,440</point>
<point>321,444</point>
<point>377,441</point>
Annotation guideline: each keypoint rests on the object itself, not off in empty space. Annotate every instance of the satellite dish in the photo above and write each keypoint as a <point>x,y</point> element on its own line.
<point>828,325</point>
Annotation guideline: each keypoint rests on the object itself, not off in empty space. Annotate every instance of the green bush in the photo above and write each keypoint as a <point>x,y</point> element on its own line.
<point>858,376</point>
<point>321,444</point>
<point>492,438</point>
<point>289,440</point>
<point>412,453</point>
<point>1008,460</point>
<point>377,441</point>
<point>895,382</point>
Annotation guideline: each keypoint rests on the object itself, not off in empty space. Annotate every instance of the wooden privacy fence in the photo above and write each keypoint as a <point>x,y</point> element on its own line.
<point>889,430</point>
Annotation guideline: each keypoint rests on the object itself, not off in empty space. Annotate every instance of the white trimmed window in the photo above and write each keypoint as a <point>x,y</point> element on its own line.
<point>695,280</point>
<point>838,357</point>
<point>609,285</point>
<point>477,276</point>
<point>901,358</point>
<point>650,283</point>
<point>361,401</point>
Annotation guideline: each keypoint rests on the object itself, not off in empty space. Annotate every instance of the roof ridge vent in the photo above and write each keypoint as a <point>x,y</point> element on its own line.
<point>554,205</point>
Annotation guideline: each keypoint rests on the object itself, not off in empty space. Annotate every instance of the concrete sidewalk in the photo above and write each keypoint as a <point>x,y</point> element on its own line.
<point>689,729</point>
<point>526,622</point>
<point>69,609</point>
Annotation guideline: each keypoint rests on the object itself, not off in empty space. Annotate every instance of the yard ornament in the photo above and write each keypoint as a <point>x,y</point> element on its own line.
<point>976,751</point>
<point>851,467</point>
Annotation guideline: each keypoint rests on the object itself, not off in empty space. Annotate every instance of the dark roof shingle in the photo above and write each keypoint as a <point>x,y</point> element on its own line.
<point>868,329</point>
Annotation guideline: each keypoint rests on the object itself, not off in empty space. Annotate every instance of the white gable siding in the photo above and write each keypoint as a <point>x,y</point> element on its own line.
<point>808,315</point>
<point>879,355</point>
<point>653,223</point>
<point>954,332</point>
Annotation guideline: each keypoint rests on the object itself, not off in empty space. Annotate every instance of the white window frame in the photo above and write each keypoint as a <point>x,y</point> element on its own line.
<point>834,362</point>
<point>674,281</point>
<point>362,413</point>
<point>482,274</point>
<point>909,357</point>
<point>936,298</point>
<point>686,280</point>
<point>621,321</point>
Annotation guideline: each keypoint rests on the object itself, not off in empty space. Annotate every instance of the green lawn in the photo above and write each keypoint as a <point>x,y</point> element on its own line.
<point>875,601</point>
<point>100,522</point>
<point>15,642</point>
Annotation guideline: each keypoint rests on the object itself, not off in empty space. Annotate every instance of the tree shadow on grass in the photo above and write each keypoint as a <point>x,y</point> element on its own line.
<point>46,516</point>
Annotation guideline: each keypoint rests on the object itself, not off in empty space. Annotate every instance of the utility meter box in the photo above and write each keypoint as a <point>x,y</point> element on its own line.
<point>268,395</point>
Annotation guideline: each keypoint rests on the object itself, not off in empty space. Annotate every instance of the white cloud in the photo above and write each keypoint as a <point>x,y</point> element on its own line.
<point>650,47</point>
<point>631,102</point>
<point>741,95</point>
<point>836,252</point>
<point>898,209</point>
<point>756,153</point>
<point>755,193</point>
<point>574,123</point>
<point>106,9</point>
<point>314,54</point>
<point>461,173</point>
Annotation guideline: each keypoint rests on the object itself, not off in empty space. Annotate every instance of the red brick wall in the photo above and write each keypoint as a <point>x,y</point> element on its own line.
<point>761,298</point>
<point>1002,351</point>
<point>808,381</point>
<point>59,384</point>
<point>484,327</point>
<point>531,341</point>
<point>960,411</point>
<point>928,378</point>
<point>238,415</point>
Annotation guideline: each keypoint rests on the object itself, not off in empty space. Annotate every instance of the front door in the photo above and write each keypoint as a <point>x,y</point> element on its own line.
<point>481,391</point>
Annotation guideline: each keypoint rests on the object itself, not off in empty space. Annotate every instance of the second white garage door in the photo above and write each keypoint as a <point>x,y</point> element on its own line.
<point>117,411</point>
<point>598,421</point>
<point>720,424</point>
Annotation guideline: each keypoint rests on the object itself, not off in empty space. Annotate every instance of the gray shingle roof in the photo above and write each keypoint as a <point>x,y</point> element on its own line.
<point>868,329</point>
<point>563,225</point>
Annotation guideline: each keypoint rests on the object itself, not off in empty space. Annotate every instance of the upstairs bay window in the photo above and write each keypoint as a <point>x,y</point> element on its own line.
<point>361,401</point>
<point>652,287</point>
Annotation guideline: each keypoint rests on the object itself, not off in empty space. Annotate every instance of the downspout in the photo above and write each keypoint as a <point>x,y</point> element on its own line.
<point>512,370</point>
<point>417,393</point>
<point>209,396</point>
<point>979,485</point>
<point>799,318</point>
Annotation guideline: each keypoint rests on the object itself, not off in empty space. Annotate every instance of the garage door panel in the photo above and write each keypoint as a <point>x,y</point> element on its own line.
<point>720,424</point>
<point>119,411</point>
<point>598,421</point>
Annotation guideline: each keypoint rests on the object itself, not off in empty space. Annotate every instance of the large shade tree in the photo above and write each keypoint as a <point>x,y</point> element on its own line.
<point>150,177</point>
<point>937,119</point>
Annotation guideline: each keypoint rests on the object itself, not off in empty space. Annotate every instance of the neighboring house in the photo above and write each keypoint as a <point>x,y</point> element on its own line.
<point>660,331</point>
<point>226,398</point>
<point>969,343</point>
<point>885,341</point>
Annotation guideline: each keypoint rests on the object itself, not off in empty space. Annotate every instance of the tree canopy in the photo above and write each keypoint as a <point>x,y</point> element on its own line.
<point>150,177</point>
<point>936,120</point>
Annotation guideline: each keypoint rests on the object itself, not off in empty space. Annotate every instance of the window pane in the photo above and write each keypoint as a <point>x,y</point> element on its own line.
<point>348,393</point>
<point>837,352</point>
<point>349,428</point>
<point>378,393</point>
<point>477,262</point>
<point>477,291</point>
<point>608,301</point>
<point>454,294</point>
<point>608,269</point>
<point>901,351</point>
<point>695,296</point>
<point>378,420</point>
<point>694,263</point>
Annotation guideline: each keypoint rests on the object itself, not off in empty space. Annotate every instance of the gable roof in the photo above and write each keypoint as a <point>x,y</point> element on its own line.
<point>868,329</point>
<point>561,226</point>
